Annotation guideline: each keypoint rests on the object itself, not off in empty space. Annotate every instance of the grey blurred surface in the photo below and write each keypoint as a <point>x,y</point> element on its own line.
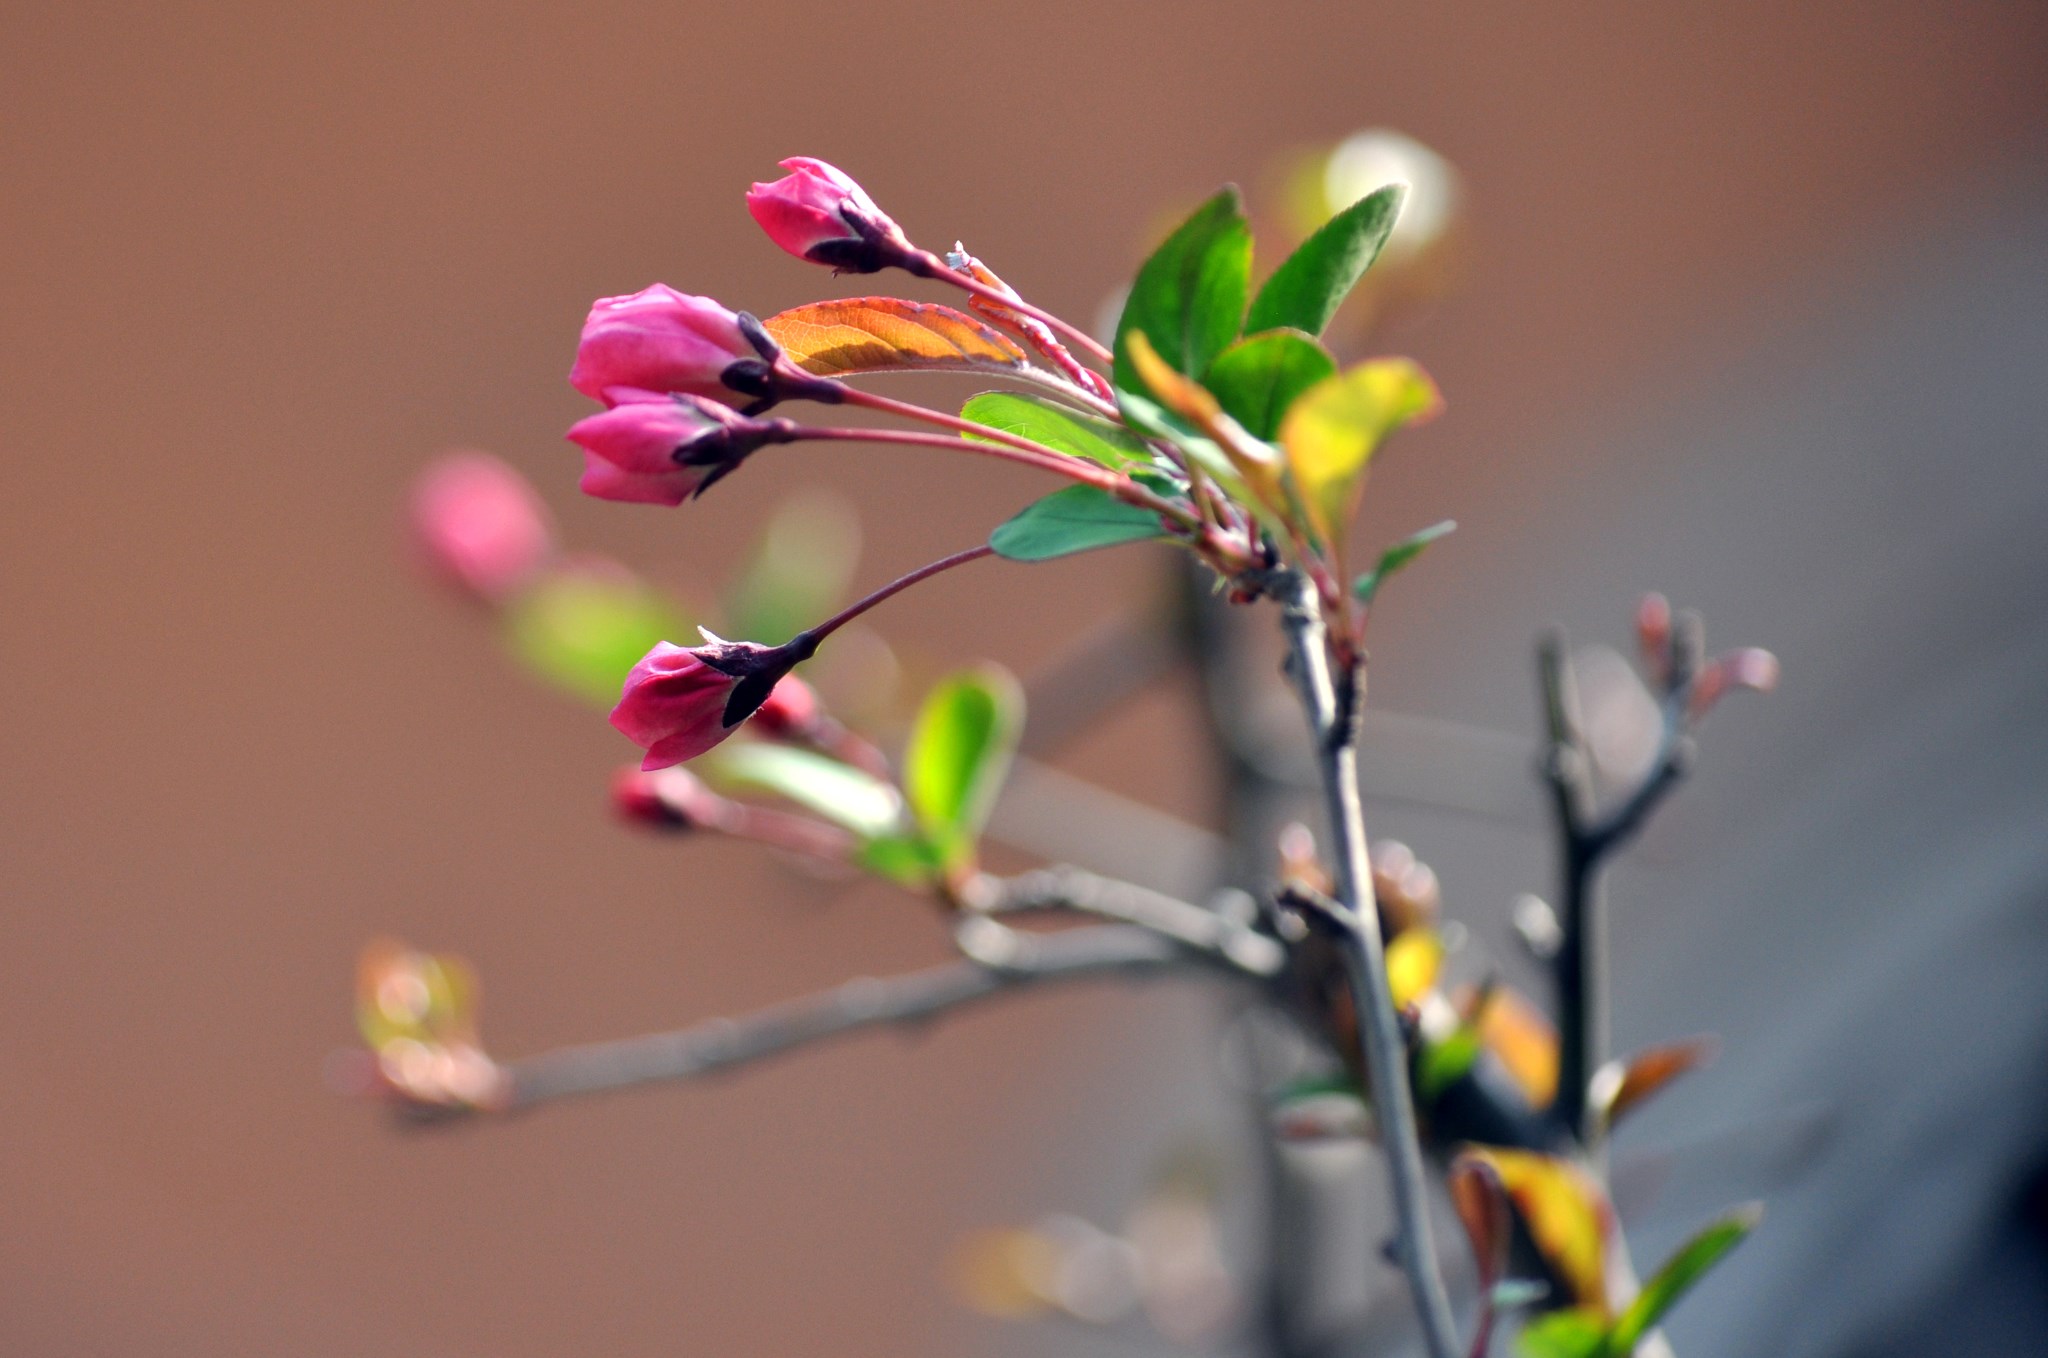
<point>1852,891</point>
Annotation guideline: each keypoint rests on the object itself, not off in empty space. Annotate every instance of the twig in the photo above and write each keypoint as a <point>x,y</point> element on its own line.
<point>1331,712</point>
<point>1587,838</point>
<point>1203,932</point>
<point>1017,962</point>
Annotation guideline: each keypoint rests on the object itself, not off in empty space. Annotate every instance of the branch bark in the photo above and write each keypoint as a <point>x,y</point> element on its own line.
<point>1007,962</point>
<point>1330,702</point>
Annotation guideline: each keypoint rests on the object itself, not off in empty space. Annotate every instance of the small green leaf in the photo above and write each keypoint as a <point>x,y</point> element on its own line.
<point>1398,556</point>
<point>1679,1273</point>
<point>583,627</point>
<point>905,859</point>
<point>1077,519</point>
<point>844,795</point>
<point>1055,426</point>
<point>1189,296</point>
<point>959,754</point>
<point>1257,378</point>
<point>1575,1333</point>
<point>1307,288</point>
<point>1441,1064</point>
<point>799,571</point>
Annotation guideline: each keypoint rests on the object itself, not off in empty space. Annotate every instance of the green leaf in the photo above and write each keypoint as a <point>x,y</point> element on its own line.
<point>1055,426</point>
<point>1440,1065</point>
<point>959,754</point>
<point>1307,288</point>
<point>1257,378</point>
<point>1679,1273</point>
<point>1077,519</point>
<point>906,859</point>
<point>1575,1333</point>
<point>583,627</point>
<point>799,571</point>
<point>1189,296</point>
<point>1398,556</point>
<point>842,794</point>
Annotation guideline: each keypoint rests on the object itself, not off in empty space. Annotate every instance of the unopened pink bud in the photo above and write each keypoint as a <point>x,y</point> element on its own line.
<point>480,524</point>
<point>1750,668</point>
<point>667,799</point>
<point>655,449</point>
<point>1653,630</point>
<point>677,702</point>
<point>659,340</point>
<point>817,212</point>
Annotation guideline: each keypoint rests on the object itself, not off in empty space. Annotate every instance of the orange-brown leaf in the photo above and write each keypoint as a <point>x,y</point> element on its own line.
<point>1482,1202</point>
<point>1522,1039</point>
<point>880,334</point>
<point>1649,1071</point>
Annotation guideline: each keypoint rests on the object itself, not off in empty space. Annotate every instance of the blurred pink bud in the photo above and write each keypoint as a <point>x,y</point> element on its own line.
<point>655,449</point>
<point>792,710</point>
<point>667,799</point>
<point>481,524</point>
<point>818,213</point>
<point>660,340</point>
<point>680,702</point>
<point>1653,632</point>
<point>1751,668</point>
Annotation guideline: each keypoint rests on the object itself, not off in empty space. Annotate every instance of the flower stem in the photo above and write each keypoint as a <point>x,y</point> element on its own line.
<point>1044,459</point>
<point>996,443</point>
<point>894,587</point>
<point>925,264</point>
<point>908,410</point>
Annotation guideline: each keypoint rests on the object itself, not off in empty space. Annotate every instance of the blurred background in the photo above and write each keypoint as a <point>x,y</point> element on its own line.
<point>1751,307</point>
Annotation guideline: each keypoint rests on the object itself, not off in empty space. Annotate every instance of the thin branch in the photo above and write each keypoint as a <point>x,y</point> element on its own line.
<point>1332,723</point>
<point>997,965</point>
<point>1202,932</point>
<point>1587,839</point>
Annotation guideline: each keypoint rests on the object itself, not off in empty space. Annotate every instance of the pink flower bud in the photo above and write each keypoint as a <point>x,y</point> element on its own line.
<point>480,524</point>
<point>680,702</point>
<point>666,799</point>
<point>655,449</point>
<point>791,711</point>
<point>818,213</point>
<point>661,340</point>
<point>1653,631</point>
<point>1751,667</point>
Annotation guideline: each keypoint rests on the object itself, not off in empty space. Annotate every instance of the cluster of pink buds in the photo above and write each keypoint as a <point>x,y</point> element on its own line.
<point>1217,421</point>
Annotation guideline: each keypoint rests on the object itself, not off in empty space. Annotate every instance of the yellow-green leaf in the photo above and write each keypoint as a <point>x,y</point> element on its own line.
<point>1333,429</point>
<point>1566,1214</point>
<point>881,334</point>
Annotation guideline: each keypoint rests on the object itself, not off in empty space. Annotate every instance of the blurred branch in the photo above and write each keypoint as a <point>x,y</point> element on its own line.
<point>1202,931</point>
<point>1588,838</point>
<point>1330,702</point>
<point>998,964</point>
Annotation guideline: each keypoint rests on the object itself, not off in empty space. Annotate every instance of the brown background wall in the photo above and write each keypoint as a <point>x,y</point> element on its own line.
<point>256,262</point>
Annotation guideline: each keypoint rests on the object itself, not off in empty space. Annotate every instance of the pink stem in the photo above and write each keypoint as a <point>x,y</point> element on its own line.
<point>931,266</point>
<point>909,411</point>
<point>894,587</point>
<point>1028,455</point>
